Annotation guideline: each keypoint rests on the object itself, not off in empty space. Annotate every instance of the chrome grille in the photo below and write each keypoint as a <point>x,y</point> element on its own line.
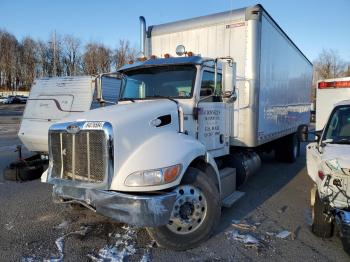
<point>81,156</point>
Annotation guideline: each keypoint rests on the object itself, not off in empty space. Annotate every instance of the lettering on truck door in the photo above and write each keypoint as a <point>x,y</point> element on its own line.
<point>212,114</point>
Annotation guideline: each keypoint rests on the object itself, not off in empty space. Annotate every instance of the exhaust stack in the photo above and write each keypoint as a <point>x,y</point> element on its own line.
<point>142,35</point>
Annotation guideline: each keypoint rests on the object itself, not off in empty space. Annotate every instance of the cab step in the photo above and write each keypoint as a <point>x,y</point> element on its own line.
<point>233,198</point>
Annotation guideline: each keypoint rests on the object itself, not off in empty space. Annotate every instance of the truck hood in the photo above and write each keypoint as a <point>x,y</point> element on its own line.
<point>135,127</point>
<point>138,113</point>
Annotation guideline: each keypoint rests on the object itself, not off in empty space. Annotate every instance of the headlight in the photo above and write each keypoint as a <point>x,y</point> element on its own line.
<point>153,177</point>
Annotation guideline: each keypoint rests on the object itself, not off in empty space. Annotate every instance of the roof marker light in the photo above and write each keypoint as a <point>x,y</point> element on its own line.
<point>142,59</point>
<point>334,84</point>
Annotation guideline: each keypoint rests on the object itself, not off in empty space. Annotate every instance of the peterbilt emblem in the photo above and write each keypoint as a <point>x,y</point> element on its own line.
<point>73,129</point>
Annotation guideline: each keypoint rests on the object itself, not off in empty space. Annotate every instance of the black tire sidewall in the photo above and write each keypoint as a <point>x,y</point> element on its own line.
<point>320,227</point>
<point>287,149</point>
<point>168,239</point>
<point>23,174</point>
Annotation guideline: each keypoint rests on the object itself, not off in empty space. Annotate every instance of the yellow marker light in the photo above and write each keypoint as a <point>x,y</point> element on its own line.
<point>171,173</point>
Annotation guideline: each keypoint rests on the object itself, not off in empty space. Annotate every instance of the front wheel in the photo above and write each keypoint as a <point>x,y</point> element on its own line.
<point>195,214</point>
<point>321,227</point>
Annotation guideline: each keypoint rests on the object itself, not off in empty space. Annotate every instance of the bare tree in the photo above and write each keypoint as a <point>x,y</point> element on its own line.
<point>329,65</point>
<point>8,62</point>
<point>123,53</point>
<point>96,59</point>
<point>28,61</point>
<point>347,72</point>
<point>71,55</point>
<point>44,67</point>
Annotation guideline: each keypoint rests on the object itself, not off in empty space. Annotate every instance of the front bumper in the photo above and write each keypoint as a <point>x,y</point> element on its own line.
<point>140,210</point>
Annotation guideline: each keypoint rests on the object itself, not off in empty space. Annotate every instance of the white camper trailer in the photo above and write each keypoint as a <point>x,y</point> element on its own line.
<point>186,132</point>
<point>53,99</point>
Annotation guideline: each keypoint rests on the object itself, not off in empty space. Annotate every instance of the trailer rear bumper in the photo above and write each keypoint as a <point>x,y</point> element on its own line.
<point>140,210</point>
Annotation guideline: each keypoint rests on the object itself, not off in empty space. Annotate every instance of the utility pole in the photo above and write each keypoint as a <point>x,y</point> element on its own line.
<point>54,54</point>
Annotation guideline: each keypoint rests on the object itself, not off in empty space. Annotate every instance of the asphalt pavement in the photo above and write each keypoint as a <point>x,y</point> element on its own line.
<point>270,223</point>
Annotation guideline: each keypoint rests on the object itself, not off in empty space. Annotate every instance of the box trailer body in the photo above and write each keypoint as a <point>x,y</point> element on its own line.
<point>186,132</point>
<point>273,75</point>
<point>328,93</point>
<point>53,99</point>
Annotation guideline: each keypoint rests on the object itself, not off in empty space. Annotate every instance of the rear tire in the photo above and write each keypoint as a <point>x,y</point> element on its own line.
<point>320,227</point>
<point>287,149</point>
<point>203,226</point>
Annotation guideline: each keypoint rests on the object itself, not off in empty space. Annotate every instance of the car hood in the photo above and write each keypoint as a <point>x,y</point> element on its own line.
<point>336,156</point>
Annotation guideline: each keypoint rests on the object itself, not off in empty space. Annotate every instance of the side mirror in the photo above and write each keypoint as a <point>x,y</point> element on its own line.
<point>108,88</point>
<point>229,79</point>
<point>303,133</point>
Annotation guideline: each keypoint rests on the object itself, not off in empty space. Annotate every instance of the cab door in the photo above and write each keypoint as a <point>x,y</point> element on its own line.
<point>213,120</point>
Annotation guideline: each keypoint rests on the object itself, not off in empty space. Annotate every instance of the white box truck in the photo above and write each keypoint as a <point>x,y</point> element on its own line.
<point>208,95</point>
<point>328,160</point>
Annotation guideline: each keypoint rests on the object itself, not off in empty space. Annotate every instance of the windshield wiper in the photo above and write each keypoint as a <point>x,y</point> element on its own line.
<point>127,99</point>
<point>165,97</point>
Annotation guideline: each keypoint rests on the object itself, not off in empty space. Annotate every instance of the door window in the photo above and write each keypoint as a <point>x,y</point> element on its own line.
<point>208,85</point>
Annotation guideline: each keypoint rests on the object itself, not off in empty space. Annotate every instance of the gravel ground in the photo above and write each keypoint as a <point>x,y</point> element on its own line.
<point>32,228</point>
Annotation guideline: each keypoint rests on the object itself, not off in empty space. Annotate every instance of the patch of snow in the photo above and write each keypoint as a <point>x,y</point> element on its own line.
<point>244,238</point>
<point>9,225</point>
<point>120,250</point>
<point>283,234</point>
<point>64,224</point>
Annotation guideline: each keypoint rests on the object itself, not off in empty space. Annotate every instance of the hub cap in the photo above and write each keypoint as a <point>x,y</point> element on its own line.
<point>189,211</point>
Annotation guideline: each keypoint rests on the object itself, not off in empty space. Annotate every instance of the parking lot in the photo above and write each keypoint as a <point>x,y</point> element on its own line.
<point>270,223</point>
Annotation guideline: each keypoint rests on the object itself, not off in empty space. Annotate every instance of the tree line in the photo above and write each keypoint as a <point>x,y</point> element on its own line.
<point>330,65</point>
<point>65,55</point>
<point>62,55</point>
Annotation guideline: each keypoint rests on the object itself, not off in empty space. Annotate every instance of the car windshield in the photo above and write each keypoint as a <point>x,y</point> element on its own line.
<point>165,81</point>
<point>338,127</point>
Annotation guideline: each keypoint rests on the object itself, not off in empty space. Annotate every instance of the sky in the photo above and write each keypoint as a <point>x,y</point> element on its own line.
<point>312,24</point>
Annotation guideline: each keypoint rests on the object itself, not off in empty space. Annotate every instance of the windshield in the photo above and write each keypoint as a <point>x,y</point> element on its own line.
<point>338,126</point>
<point>165,81</point>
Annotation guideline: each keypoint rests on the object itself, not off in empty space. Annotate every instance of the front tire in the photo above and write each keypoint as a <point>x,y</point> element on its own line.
<point>195,214</point>
<point>320,226</point>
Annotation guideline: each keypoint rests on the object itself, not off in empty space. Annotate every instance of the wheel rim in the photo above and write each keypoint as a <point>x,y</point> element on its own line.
<point>189,211</point>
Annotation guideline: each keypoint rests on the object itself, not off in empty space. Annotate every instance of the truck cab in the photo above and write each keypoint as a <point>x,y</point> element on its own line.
<point>153,165</point>
<point>195,110</point>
